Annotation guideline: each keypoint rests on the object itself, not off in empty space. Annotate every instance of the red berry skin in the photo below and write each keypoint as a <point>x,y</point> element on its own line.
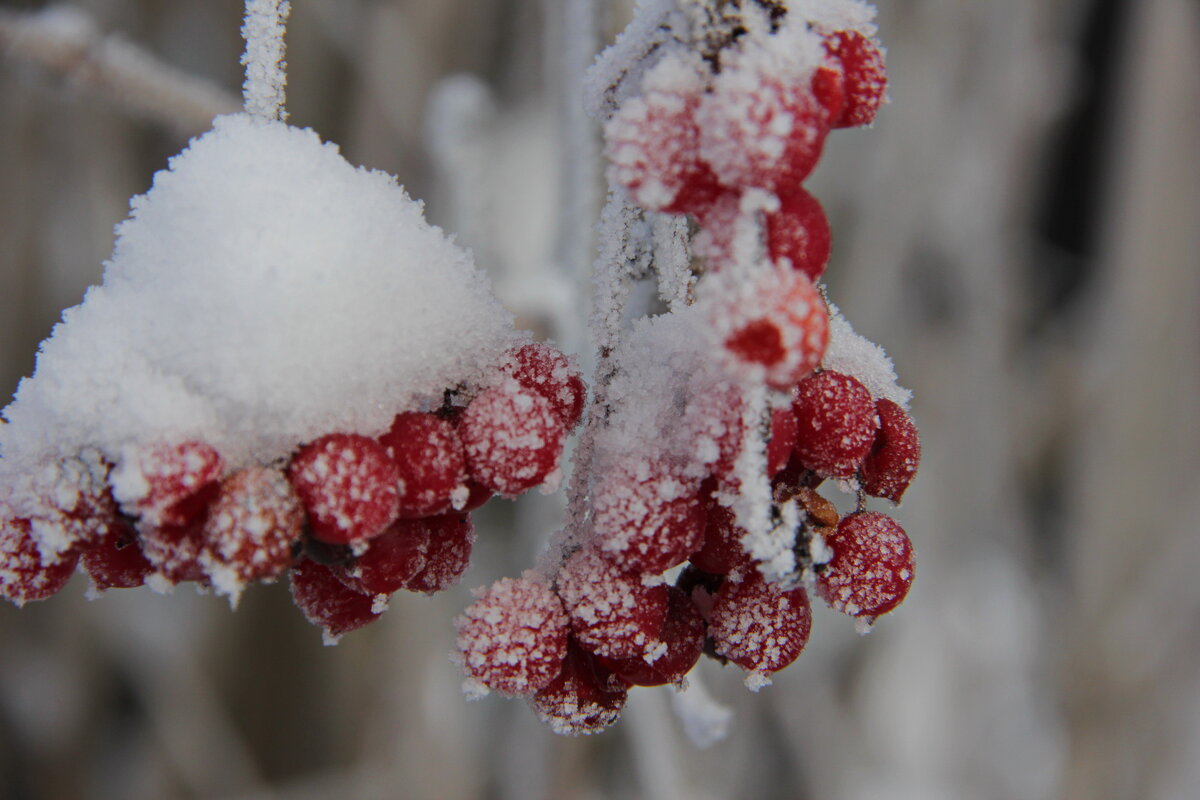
<point>681,642</point>
<point>647,523</point>
<point>513,438</point>
<point>252,526</point>
<point>391,559</point>
<point>782,441</point>
<point>513,638</point>
<point>872,566</point>
<point>584,697</point>
<point>864,77</point>
<point>24,576</point>
<point>451,537</point>
<point>759,626</point>
<point>168,484</point>
<point>430,462</point>
<point>543,369</point>
<point>348,485</point>
<point>327,602</point>
<point>894,458</point>
<point>799,232</point>
<point>836,424</point>
<point>116,560</point>
<point>722,552</point>
<point>612,613</point>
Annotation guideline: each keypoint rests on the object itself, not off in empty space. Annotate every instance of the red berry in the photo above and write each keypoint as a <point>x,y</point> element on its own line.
<point>513,438</point>
<point>647,521</point>
<point>680,643</point>
<point>612,613</point>
<point>175,551</point>
<point>429,460</point>
<point>548,372</point>
<point>390,560</point>
<point>513,638</point>
<point>892,463</point>
<point>251,528</point>
<point>24,575</point>
<point>451,537</point>
<point>167,484</point>
<point>799,232</point>
<point>782,441</point>
<point>836,423</point>
<point>778,330</point>
<point>116,561</point>
<point>722,552</point>
<point>864,77</point>
<point>327,602</point>
<point>348,485</point>
<point>583,698</point>
<point>872,565</point>
<point>759,626</point>
<point>477,495</point>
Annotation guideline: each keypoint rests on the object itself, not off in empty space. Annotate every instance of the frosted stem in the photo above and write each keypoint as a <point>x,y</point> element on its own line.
<point>266,71</point>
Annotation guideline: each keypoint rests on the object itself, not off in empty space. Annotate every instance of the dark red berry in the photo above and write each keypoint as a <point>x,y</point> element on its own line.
<point>647,521</point>
<point>892,463</point>
<point>759,626</point>
<point>513,638</point>
<point>513,438</point>
<point>872,565</point>
<point>390,560</point>
<point>864,77</point>
<point>612,613</point>
<point>348,485</point>
<point>451,537</point>
<point>799,232</point>
<point>548,372</point>
<point>722,552</point>
<point>583,698</point>
<point>24,575</point>
<point>680,643</point>
<point>327,602</point>
<point>782,441</point>
<point>116,560</point>
<point>429,460</point>
<point>836,423</point>
<point>167,484</point>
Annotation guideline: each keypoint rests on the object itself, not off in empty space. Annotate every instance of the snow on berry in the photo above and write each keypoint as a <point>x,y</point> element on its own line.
<point>451,537</point>
<point>653,140</point>
<point>25,575</point>
<point>175,551</point>
<point>252,525</point>
<point>862,359</point>
<point>513,438</point>
<point>712,423</point>
<point>646,518</point>
<point>390,560</point>
<point>548,372</point>
<point>584,697</point>
<point>799,232</point>
<point>680,643</point>
<point>429,460</point>
<point>348,485</point>
<point>892,463</point>
<point>872,565</point>
<point>166,484</point>
<point>612,613</point>
<point>513,638</point>
<point>327,602</point>
<point>759,626</point>
<point>116,561</point>
<point>836,423</point>
<point>864,77</point>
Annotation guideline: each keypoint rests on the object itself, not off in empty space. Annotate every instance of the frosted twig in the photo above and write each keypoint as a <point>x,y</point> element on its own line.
<point>65,40</point>
<point>672,261</point>
<point>266,71</point>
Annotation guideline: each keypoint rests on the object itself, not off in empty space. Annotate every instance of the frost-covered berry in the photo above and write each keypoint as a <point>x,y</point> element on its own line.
<point>548,372</point>
<point>513,638</point>
<point>167,484</point>
<point>647,520</point>
<point>864,77</point>
<point>451,537</point>
<point>892,463</point>
<point>799,231</point>
<point>513,438</point>
<point>24,575</point>
<point>175,551</point>
<point>872,565</point>
<point>327,602</point>
<point>782,441</point>
<point>712,424</point>
<point>252,525</point>
<point>348,485</point>
<point>759,626</point>
<point>429,460</point>
<point>583,698</point>
<point>116,560</point>
<point>390,560</point>
<point>778,331</point>
<point>722,552</point>
<point>679,645</point>
<point>836,423</point>
<point>653,141</point>
<point>612,613</point>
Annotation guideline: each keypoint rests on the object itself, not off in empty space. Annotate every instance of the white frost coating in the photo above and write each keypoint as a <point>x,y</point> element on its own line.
<point>836,15</point>
<point>263,293</point>
<point>860,358</point>
<point>266,71</point>
<point>617,72</point>
<point>672,261</point>
<point>704,720</point>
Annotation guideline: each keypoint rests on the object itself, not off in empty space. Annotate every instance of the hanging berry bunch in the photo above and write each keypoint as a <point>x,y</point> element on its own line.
<point>697,526</point>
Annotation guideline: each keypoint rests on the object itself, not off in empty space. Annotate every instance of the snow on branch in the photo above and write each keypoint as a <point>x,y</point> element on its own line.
<point>266,71</point>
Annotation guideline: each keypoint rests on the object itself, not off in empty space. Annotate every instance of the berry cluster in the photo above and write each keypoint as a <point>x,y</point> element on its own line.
<point>352,517</point>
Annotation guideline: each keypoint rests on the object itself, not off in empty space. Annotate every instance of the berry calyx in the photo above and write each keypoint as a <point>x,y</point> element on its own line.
<point>872,565</point>
<point>429,462</point>
<point>348,486</point>
<point>836,423</point>
<point>895,456</point>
